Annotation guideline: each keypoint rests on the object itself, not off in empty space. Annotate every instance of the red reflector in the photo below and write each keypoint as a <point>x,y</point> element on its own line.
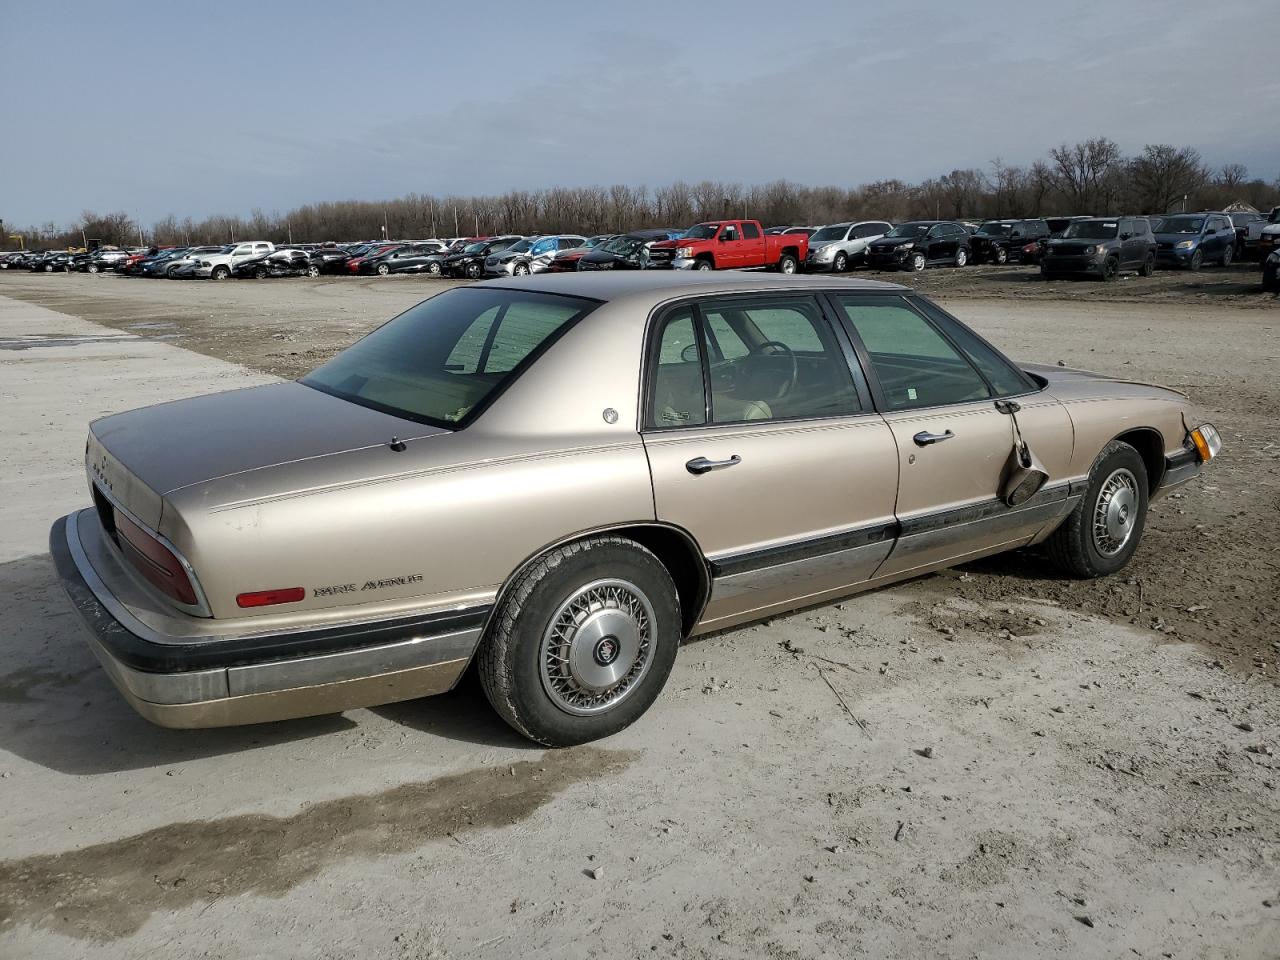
<point>266,598</point>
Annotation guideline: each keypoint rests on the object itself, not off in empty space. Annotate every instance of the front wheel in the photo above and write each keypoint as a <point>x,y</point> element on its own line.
<point>1110,269</point>
<point>788,264</point>
<point>474,270</point>
<point>383,269</point>
<point>916,263</point>
<point>1102,533</point>
<point>583,642</point>
<point>220,272</point>
<point>962,257</point>
<point>521,270</point>
<point>841,262</point>
<point>1197,260</point>
<point>1001,256</point>
<point>433,269</point>
<point>94,268</point>
<point>703,265</point>
<point>313,271</point>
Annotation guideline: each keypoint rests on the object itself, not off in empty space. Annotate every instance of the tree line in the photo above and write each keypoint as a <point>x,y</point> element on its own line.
<point>1090,177</point>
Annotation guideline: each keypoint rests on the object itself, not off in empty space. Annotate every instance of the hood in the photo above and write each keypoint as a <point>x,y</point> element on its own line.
<point>174,445</point>
<point>672,244</point>
<point>1178,237</point>
<point>895,241</point>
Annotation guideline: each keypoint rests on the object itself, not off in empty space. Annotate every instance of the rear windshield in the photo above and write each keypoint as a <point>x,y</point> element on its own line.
<point>438,362</point>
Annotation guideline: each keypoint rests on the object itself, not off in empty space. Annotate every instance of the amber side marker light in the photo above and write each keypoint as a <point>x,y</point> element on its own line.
<point>267,598</point>
<point>1207,442</point>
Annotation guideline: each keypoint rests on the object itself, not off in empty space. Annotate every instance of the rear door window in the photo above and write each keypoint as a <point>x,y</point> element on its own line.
<point>750,231</point>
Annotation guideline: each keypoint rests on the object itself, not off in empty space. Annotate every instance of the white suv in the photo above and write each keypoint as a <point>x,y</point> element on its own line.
<point>218,266</point>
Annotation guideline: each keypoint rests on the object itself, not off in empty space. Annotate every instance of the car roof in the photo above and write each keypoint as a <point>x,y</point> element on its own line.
<point>658,285</point>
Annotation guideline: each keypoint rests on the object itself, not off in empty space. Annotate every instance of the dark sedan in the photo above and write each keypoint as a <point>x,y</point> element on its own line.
<point>915,245</point>
<point>627,252</point>
<point>470,262</point>
<point>279,263</point>
<point>413,258</point>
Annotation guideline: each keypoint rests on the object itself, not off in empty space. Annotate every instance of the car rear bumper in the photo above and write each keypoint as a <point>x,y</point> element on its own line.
<point>181,681</point>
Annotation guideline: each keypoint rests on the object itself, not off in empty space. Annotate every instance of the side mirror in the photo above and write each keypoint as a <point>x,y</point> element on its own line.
<point>1125,236</point>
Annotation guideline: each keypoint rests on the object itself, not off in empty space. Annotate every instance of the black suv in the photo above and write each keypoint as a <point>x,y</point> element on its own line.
<point>915,245</point>
<point>999,241</point>
<point>1103,246</point>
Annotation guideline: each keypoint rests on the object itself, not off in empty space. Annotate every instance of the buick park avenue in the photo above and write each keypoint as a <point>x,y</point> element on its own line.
<point>562,477</point>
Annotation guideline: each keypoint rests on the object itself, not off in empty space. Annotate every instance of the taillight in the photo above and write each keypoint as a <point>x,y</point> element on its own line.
<point>267,598</point>
<point>156,562</point>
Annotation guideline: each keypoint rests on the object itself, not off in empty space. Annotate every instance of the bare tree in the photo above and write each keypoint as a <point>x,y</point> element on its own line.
<point>1163,176</point>
<point>1081,172</point>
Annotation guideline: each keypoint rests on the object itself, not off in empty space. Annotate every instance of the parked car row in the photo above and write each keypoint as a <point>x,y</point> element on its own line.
<point>1104,247</point>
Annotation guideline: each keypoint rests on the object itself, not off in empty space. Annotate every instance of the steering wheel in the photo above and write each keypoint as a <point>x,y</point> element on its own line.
<point>793,373</point>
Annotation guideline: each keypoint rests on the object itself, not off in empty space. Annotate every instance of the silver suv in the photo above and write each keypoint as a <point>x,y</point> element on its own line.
<point>839,246</point>
<point>530,255</point>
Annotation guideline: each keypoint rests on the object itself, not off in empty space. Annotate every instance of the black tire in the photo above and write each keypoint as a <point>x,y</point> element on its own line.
<point>1110,269</point>
<point>93,268</point>
<point>1227,255</point>
<point>916,262</point>
<point>383,269</point>
<point>511,653</point>
<point>788,264</point>
<point>1000,256</point>
<point>1046,273</point>
<point>1074,547</point>
<point>841,263</point>
<point>1197,261</point>
<point>520,270</point>
<point>1149,266</point>
<point>260,273</point>
<point>961,257</point>
<point>220,272</point>
<point>704,265</point>
<point>434,269</point>
<point>171,273</point>
<point>313,271</point>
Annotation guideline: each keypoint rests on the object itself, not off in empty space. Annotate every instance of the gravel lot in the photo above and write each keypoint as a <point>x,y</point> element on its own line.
<point>986,762</point>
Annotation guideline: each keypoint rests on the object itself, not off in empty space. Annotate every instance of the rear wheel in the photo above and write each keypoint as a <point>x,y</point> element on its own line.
<point>383,269</point>
<point>220,272</point>
<point>1227,254</point>
<point>841,262</point>
<point>1046,273</point>
<point>260,273</point>
<point>583,642</point>
<point>433,268</point>
<point>94,268</point>
<point>1102,533</point>
<point>313,271</point>
<point>1149,265</point>
<point>787,264</point>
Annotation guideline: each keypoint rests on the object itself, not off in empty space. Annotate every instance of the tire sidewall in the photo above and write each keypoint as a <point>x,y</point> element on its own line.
<point>525,614</point>
<point>1117,456</point>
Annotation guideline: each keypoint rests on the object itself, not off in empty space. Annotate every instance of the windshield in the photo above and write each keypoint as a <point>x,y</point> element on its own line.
<point>622,246</point>
<point>994,229</point>
<point>440,361</point>
<point>475,247</point>
<point>909,230</point>
<point>1181,224</point>
<point>520,247</point>
<point>1093,230</point>
<point>829,233</point>
<point>703,231</point>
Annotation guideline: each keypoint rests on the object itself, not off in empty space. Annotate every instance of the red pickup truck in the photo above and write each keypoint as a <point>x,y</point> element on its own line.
<point>730,245</point>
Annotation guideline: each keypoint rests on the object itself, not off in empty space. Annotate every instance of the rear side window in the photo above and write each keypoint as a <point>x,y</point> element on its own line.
<point>679,399</point>
<point>750,231</point>
<point>914,363</point>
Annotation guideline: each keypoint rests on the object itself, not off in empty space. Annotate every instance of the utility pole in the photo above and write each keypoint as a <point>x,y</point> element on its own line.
<point>456,229</point>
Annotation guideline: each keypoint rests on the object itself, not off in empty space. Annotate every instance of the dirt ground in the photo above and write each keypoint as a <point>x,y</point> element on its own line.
<point>991,761</point>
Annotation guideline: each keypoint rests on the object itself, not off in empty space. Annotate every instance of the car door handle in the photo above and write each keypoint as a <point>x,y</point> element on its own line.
<point>924,438</point>
<point>701,465</point>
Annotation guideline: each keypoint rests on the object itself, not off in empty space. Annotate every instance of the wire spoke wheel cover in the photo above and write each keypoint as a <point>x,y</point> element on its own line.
<point>597,647</point>
<point>1115,512</point>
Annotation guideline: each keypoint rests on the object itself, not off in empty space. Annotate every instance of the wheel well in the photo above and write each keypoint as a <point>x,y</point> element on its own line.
<point>1150,446</point>
<point>794,252</point>
<point>683,560</point>
<point>706,256</point>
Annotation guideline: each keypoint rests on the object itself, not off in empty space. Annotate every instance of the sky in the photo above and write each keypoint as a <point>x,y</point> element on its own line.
<point>192,109</point>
